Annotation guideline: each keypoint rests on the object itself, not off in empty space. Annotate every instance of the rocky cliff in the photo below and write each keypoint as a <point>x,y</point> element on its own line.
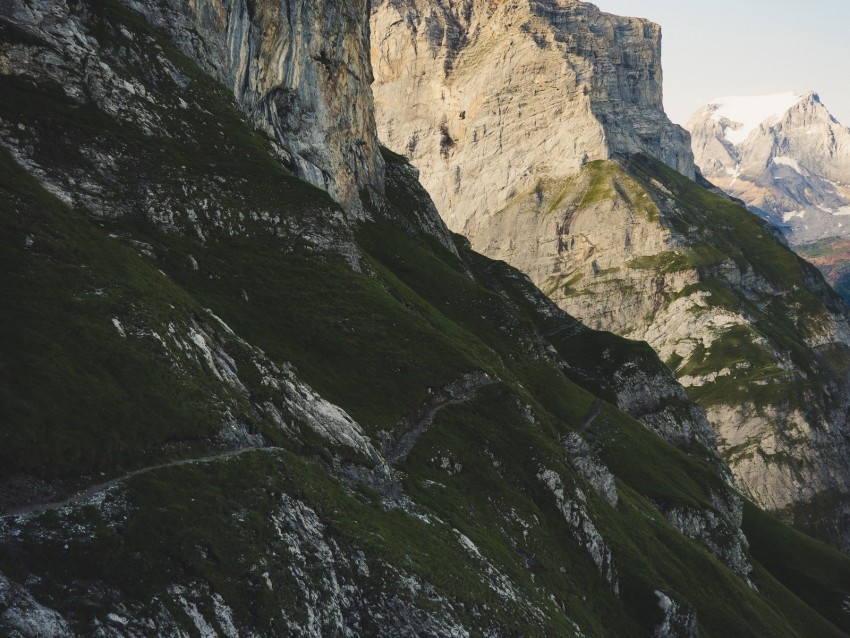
<point>518,91</point>
<point>300,69</point>
<point>229,409</point>
<point>754,334</point>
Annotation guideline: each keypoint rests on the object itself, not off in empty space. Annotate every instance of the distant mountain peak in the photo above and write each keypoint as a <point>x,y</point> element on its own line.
<point>786,156</point>
<point>744,114</point>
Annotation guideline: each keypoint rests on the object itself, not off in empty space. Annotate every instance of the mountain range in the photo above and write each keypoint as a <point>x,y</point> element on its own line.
<point>788,159</point>
<point>253,384</point>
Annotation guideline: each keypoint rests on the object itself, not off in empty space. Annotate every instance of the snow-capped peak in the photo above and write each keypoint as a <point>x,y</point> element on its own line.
<point>749,112</point>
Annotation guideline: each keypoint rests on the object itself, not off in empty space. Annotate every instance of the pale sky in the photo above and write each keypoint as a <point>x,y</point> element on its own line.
<point>715,48</point>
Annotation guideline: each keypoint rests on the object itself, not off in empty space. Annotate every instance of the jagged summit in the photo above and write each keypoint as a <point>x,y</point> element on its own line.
<point>745,114</point>
<point>784,155</point>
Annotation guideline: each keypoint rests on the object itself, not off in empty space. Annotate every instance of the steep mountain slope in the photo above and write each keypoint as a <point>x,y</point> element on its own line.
<point>785,156</point>
<point>231,410</point>
<point>788,159</point>
<point>517,91</point>
<point>628,245</point>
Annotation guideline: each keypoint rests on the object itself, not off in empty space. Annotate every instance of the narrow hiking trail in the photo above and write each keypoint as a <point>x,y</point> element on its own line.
<point>89,492</point>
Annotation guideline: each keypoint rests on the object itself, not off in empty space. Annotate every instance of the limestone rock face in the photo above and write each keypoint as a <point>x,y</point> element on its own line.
<point>789,161</point>
<point>512,112</point>
<point>752,332</point>
<point>300,69</point>
<point>488,98</point>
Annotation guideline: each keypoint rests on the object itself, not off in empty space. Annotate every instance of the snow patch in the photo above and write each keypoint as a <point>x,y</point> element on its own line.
<point>747,113</point>
<point>787,217</point>
<point>790,162</point>
<point>119,327</point>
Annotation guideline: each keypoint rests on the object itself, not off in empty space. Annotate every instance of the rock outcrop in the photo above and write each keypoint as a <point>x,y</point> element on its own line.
<point>300,69</point>
<point>514,143</point>
<point>516,91</point>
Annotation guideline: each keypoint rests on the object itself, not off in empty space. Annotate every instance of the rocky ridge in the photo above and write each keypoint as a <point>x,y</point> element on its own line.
<point>261,497</point>
<point>626,245</point>
<point>520,91</point>
<point>789,164</point>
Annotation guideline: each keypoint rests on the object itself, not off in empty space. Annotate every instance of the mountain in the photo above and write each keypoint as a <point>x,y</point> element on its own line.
<point>788,159</point>
<point>239,399</point>
<point>565,170</point>
<point>516,91</point>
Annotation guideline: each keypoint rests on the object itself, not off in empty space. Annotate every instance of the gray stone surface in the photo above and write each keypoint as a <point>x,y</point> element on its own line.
<point>486,99</point>
<point>300,70</point>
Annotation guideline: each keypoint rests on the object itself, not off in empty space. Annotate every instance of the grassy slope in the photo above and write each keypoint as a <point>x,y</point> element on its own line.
<point>810,569</point>
<point>374,344</point>
<point>479,500</point>
<point>743,238</point>
<point>74,394</point>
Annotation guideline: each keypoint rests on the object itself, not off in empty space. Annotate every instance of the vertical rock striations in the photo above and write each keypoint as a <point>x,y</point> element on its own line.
<point>300,69</point>
<point>515,91</point>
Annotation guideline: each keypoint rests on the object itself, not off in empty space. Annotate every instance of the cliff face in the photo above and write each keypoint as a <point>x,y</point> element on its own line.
<point>753,333</point>
<point>300,69</point>
<point>506,141</point>
<point>515,91</point>
<point>172,289</point>
<point>231,410</point>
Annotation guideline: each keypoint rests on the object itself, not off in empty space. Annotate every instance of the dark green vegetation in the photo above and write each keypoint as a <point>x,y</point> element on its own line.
<point>74,394</point>
<point>811,570</point>
<point>294,534</point>
<point>752,330</point>
<point>744,241</point>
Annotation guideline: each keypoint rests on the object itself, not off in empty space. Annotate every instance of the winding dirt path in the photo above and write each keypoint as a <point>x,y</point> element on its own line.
<point>595,409</point>
<point>416,423</point>
<point>89,492</point>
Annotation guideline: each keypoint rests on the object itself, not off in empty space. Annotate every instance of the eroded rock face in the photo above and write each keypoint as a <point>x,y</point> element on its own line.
<point>487,99</point>
<point>625,252</point>
<point>300,69</point>
<point>129,81</point>
<point>511,112</point>
<point>678,622</point>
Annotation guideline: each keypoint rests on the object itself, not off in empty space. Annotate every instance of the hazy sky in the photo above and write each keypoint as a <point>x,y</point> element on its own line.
<point>714,48</point>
